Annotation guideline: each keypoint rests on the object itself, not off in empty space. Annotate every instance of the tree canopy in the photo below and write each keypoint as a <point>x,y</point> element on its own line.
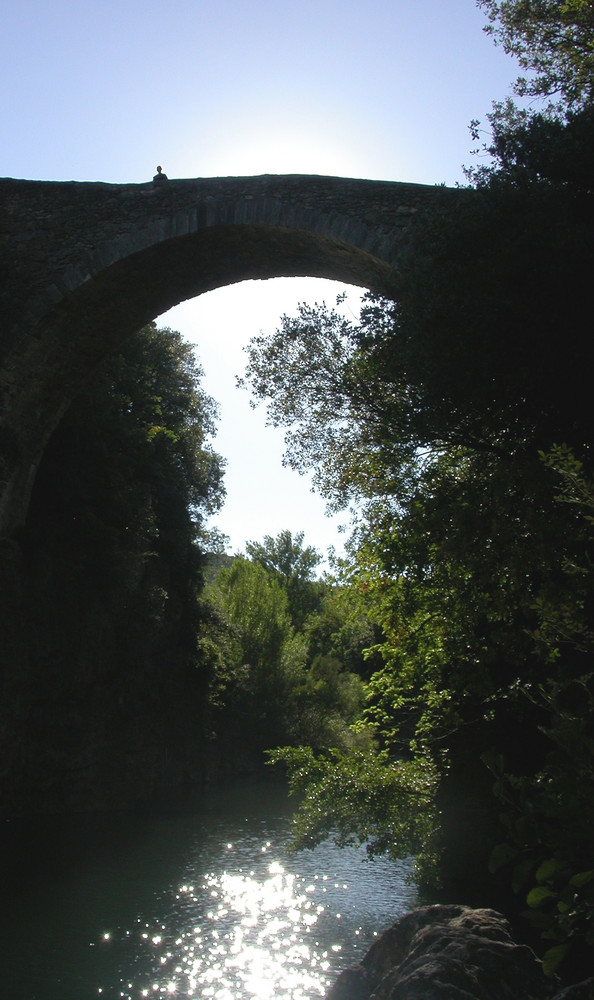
<point>294,565</point>
<point>288,648</point>
<point>553,41</point>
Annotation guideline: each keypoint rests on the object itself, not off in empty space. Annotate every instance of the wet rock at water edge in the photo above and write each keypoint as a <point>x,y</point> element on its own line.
<point>447,953</point>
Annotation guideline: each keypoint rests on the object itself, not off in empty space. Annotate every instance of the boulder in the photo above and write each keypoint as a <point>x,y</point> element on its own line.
<point>447,953</point>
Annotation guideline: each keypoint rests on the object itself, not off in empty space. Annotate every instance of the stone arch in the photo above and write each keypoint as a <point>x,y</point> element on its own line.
<point>75,335</point>
<point>89,263</point>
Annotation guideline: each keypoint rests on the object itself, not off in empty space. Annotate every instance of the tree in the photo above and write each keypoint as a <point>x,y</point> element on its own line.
<point>342,629</point>
<point>114,547</point>
<point>553,40</point>
<point>363,798</point>
<point>290,682</point>
<point>257,605</point>
<point>302,372</point>
<point>263,658</point>
<point>433,414</point>
<point>547,815</point>
<point>553,138</point>
<point>468,356</point>
<point>135,455</point>
<point>294,567</point>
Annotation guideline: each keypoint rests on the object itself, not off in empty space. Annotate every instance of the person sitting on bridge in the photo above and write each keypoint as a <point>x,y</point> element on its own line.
<point>160,177</point>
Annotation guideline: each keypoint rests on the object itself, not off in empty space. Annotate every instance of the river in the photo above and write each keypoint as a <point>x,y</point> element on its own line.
<point>200,900</point>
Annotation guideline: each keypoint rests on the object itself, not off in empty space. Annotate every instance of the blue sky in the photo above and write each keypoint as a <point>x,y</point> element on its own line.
<point>383,89</point>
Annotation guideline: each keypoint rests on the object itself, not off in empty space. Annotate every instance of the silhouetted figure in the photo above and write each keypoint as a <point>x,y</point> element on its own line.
<point>160,177</point>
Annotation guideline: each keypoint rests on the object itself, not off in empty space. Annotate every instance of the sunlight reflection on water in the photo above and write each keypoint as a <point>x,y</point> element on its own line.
<point>198,901</point>
<point>265,932</point>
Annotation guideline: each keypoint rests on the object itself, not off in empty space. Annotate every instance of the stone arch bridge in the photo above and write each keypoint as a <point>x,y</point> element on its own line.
<point>84,264</point>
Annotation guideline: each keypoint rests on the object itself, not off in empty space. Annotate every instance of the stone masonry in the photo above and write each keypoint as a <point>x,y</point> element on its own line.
<point>84,264</point>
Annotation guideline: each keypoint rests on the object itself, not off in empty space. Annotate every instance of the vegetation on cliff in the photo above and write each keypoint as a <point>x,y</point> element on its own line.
<point>138,677</point>
<point>114,547</point>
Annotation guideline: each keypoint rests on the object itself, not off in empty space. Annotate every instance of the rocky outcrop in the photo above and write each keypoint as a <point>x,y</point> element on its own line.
<point>450,953</point>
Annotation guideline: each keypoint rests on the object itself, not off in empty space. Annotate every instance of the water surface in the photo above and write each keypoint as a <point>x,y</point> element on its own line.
<point>204,901</point>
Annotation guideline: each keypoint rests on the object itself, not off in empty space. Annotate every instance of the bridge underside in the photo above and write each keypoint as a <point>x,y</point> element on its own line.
<point>71,339</point>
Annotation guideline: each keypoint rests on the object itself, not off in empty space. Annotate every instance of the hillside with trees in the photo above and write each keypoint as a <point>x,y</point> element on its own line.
<point>154,659</point>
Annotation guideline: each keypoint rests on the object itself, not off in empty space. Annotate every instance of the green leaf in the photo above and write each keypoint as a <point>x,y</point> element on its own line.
<point>580,879</point>
<point>548,869</point>
<point>501,855</point>
<point>553,958</point>
<point>536,897</point>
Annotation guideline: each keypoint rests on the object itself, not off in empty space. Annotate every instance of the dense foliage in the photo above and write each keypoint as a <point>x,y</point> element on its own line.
<point>288,648</point>
<point>458,420</point>
<point>294,566</point>
<point>552,40</point>
<point>114,545</point>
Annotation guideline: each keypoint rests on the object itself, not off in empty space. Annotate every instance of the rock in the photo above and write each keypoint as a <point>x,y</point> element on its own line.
<point>581,991</point>
<point>446,953</point>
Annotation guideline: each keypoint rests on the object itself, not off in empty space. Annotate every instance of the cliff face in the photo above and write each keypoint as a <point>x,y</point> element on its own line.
<point>451,953</point>
<point>86,725</point>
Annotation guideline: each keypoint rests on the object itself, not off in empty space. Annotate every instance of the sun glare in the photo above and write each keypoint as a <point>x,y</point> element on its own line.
<point>276,150</point>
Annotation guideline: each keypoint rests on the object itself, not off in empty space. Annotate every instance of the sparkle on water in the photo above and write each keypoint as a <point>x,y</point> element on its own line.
<point>241,934</point>
<point>207,907</point>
